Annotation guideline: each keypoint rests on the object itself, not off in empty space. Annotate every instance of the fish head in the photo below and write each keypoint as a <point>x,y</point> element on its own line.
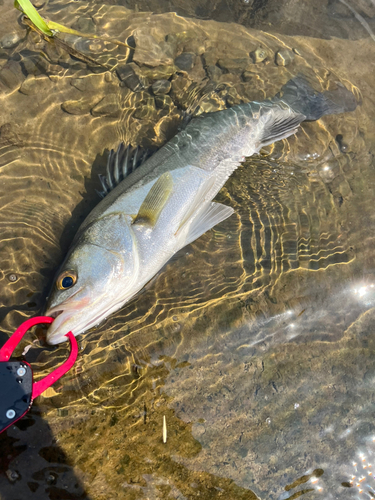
<point>92,282</point>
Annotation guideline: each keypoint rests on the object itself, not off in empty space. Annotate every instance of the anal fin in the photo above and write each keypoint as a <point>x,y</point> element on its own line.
<point>212,214</point>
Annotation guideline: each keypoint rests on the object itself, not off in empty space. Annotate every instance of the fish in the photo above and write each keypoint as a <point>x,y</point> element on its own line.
<point>167,202</point>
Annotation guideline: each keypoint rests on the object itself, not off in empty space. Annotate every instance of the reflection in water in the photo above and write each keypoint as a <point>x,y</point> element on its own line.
<point>256,342</point>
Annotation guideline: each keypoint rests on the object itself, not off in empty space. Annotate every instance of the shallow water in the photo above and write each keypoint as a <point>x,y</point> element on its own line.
<point>256,342</point>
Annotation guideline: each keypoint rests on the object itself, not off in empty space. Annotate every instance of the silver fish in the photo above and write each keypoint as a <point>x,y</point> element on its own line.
<point>166,203</point>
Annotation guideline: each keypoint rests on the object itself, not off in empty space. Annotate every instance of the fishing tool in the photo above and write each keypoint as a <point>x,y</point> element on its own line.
<point>17,387</point>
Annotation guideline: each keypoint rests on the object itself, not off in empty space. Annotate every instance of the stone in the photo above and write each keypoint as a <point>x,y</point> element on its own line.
<point>128,76</point>
<point>108,106</point>
<point>78,107</point>
<point>213,73</point>
<point>284,57</point>
<point>210,58</point>
<point>87,83</point>
<point>148,51</point>
<point>84,24</point>
<point>185,61</point>
<point>11,75</point>
<point>259,55</point>
<point>38,4</point>
<point>10,40</point>
<point>164,102</point>
<point>146,110</point>
<point>35,84</point>
<point>234,65</point>
<point>158,73</point>
<point>161,87</point>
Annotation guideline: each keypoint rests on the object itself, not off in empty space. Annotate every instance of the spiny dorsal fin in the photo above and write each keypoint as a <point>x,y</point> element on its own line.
<point>120,164</point>
<point>155,201</point>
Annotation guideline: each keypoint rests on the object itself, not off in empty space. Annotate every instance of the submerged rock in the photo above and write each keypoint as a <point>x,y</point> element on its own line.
<point>284,57</point>
<point>185,61</point>
<point>10,40</point>
<point>11,75</point>
<point>79,107</point>
<point>259,55</point>
<point>127,75</point>
<point>35,84</point>
<point>161,87</point>
<point>148,51</point>
<point>108,106</point>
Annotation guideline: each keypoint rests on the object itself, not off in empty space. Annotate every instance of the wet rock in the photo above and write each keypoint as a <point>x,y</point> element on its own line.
<point>158,73</point>
<point>38,4</point>
<point>108,106</point>
<point>198,430</point>
<point>146,111</point>
<point>87,83</point>
<point>195,46</point>
<point>84,24</point>
<point>35,84</point>
<point>210,59</point>
<point>212,104</point>
<point>10,40</point>
<point>164,102</point>
<point>161,87</point>
<point>12,475</point>
<point>79,107</point>
<point>259,55</point>
<point>284,57</point>
<point>128,76</point>
<point>234,65</point>
<point>247,76</point>
<point>11,75</point>
<point>148,51</point>
<point>185,61</point>
<point>214,73</point>
<point>9,135</point>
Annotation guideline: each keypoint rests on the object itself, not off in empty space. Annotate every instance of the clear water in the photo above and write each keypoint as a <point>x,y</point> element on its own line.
<point>257,342</point>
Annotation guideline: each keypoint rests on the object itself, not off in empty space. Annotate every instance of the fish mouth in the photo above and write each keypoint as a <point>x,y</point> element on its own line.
<point>56,332</point>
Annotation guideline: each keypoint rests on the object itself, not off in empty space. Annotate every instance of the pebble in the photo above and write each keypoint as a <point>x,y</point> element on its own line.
<point>79,107</point>
<point>10,40</point>
<point>158,73</point>
<point>164,102</point>
<point>198,430</point>
<point>127,75</point>
<point>147,111</point>
<point>35,84</point>
<point>12,475</point>
<point>11,75</point>
<point>149,51</point>
<point>185,61</point>
<point>84,24</point>
<point>108,106</point>
<point>214,73</point>
<point>38,4</point>
<point>161,87</point>
<point>284,57</point>
<point>259,55</point>
<point>87,83</point>
<point>234,65</point>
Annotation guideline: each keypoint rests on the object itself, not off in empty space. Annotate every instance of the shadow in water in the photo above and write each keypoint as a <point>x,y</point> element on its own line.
<point>32,465</point>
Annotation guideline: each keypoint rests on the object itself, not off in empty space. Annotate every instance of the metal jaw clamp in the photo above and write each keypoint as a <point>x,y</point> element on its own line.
<point>17,388</point>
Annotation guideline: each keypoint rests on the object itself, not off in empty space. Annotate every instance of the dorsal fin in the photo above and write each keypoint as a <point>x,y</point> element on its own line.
<point>120,164</point>
<point>155,200</point>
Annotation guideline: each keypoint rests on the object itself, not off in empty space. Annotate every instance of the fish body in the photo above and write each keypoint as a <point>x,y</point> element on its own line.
<point>167,203</point>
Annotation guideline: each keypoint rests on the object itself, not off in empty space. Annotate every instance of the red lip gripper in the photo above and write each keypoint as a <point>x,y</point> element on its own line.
<point>17,388</point>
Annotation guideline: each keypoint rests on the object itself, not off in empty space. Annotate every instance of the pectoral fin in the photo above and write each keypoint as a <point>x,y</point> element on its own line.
<point>155,201</point>
<point>211,215</point>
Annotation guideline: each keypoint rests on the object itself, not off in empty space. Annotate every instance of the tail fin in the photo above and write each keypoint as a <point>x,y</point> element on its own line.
<point>302,98</point>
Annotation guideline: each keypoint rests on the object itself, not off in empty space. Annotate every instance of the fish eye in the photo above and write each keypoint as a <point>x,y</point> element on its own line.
<point>66,280</point>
